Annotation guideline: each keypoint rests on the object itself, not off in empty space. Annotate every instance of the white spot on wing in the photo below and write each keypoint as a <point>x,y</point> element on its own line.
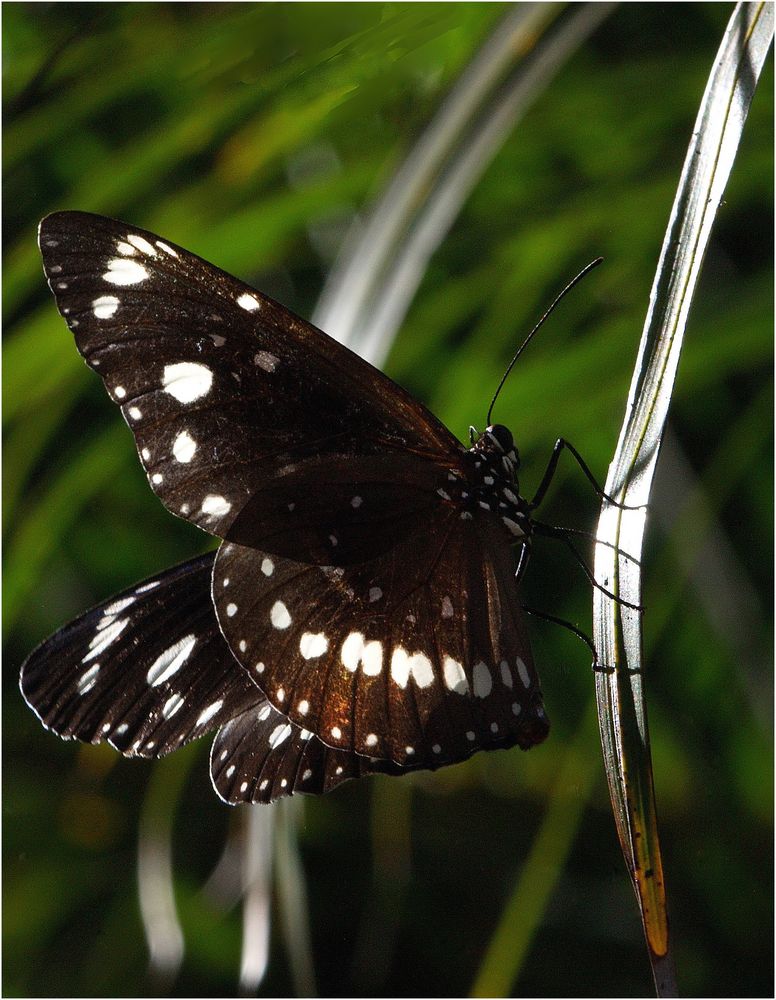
<point>278,735</point>
<point>166,249</point>
<point>141,244</point>
<point>105,306</point>
<point>455,678</point>
<point>400,667</point>
<point>312,645</point>
<point>248,302</point>
<point>172,705</point>
<point>134,413</point>
<point>108,629</point>
<point>421,670</point>
<point>371,740</point>
<point>266,361</point>
<point>119,392</point>
<point>447,607</point>
<point>279,615</point>
<point>506,674</point>
<point>482,680</point>
<point>231,610</point>
<point>267,567</point>
<point>352,648</point>
<point>209,712</point>
<point>523,671</point>
<point>336,732</point>
<point>372,658</point>
<point>187,380</point>
<point>170,661</point>
<point>88,679</point>
<point>375,594</point>
<point>356,502</point>
<point>184,447</point>
<point>513,526</point>
<point>304,706</point>
<point>215,506</point>
<point>122,271</point>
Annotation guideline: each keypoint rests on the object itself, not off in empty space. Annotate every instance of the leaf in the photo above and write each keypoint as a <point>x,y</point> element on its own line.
<point>617,628</point>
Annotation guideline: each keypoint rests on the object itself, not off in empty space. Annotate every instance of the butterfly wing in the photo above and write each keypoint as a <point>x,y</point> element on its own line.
<point>260,756</point>
<point>419,656</point>
<point>250,422</point>
<point>146,671</point>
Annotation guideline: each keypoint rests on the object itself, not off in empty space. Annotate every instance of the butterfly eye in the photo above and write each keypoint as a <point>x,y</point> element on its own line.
<point>502,437</point>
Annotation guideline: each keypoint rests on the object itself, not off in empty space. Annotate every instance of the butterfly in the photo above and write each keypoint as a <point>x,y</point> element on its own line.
<point>361,614</point>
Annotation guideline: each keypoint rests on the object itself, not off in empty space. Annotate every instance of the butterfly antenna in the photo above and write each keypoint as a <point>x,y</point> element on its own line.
<point>569,286</point>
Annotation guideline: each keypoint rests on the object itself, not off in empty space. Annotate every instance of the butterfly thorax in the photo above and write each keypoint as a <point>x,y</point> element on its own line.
<point>491,484</point>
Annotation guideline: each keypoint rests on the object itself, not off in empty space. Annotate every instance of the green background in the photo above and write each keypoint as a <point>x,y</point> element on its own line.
<point>252,134</point>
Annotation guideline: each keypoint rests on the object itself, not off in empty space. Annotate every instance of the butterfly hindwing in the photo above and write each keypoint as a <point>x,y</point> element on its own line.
<point>419,656</point>
<point>260,756</point>
<point>237,406</point>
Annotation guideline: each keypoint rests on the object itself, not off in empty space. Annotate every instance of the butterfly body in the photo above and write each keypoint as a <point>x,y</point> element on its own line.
<point>362,613</point>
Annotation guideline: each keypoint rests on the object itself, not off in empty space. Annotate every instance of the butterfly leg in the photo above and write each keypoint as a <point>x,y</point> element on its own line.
<point>548,531</point>
<point>552,466</point>
<point>572,628</point>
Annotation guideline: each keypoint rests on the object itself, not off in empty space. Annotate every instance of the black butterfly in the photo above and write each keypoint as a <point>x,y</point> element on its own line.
<point>362,614</point>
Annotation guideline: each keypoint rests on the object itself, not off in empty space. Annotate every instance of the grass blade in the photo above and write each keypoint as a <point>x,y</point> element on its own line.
<point>619,689</point>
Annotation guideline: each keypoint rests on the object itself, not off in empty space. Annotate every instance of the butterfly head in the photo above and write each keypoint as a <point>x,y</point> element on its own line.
<point>498,445</point>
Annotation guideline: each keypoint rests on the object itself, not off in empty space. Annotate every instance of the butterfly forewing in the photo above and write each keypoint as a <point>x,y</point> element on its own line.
<point>235,401</point>
<point>419,656</point>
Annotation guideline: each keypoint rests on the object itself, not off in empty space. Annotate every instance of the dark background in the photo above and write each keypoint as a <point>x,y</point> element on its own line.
<point>251,134</point>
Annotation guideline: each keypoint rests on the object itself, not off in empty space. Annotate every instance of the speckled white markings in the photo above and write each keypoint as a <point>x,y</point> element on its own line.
<point>170,661</point>
<point>283,782</point>
<point>147,586</point>
<point>243,645</point>
<point>215,506</point>
<point>455,678</point>
<point>119,392</point>
<point>356,502</point>
<point>125,249</point>
<point>506,674</point>
<point>218,340</point>
<point>187,381</point>
<point>355,650</point>
<point>118,606</point>
<point>481,680</point>
<point>105,306</point>
<point>88,679</point>
<point>443,494</point>
<point>267,566</point>
<point>303,706</point>
<point>120,730</point>
<point>248,302</point>
<point>231,610</point>
<point>184,447</point>
<point>209,712</point>
<point>375,594</point>
<point>244,786</point>
<point>230,770</point>
<point>307,775</point>
<point>145,454</point>
<point>336,732</point>
<point>523,671</point>
<point>122,271</point>
<point>265,360</point>
<point>313,645</point>
<point>264,713</point>
<point>259,668</point>
<point>173,704</point>
<point>279,735</point>
<point>134,413</point>
<point>447,607</point>
<point>279,615</point>
<point>157,478</point>
<point>371,740</point>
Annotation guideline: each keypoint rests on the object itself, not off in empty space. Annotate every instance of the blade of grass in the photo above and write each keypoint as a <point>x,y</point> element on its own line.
<point>617,629</point>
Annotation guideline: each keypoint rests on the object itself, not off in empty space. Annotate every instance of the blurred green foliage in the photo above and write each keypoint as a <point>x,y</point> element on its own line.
<point>252,134</point>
